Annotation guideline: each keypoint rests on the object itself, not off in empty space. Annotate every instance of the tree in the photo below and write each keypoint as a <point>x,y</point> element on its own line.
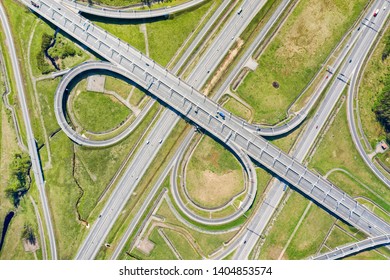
<point>28,234</point>
<point>18,183</point>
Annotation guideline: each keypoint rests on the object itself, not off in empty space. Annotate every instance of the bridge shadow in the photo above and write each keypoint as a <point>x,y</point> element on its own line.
<point>122,21</point>
<point>283,135</point>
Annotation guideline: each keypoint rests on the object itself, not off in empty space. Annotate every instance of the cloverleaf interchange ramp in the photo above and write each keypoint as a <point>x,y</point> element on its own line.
<point>199,109</point>
<point>164,128</point>
<point>60,115</point>
<point>277,130</point>
<point>60,99</point>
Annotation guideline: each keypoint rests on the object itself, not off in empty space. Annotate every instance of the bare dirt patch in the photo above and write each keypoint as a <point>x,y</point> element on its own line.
<point>96,83</point>
<point>214,190</point>
<point>274,252</point>
<point>310,31</point>
<point>229,59</point>
<point>145,246</point>
<point>30,247</point>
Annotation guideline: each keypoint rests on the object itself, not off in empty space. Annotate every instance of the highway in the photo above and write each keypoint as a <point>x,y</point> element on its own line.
<point>137,218</point>
<point>185,143</point>
<point>224,40</point>
<point>249,199</point>
<point>351,249</point>
<point>123,191</point>
<point>132,14</point>
<point>183,206</point>
<point>210,60</point>
<point>209,65</point>
<point>32,146</point>
<point>300,116</point>
<point>202,35</point>
<point>171,120</point>
<point>197,108</point>
<point>357,53</point>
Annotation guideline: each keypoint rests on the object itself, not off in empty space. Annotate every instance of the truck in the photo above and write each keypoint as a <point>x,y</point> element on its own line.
<point>221,114</point>
<point>376,12</point>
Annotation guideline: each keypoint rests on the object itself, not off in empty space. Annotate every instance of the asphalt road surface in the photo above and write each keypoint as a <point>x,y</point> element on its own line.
<point>132,14</point>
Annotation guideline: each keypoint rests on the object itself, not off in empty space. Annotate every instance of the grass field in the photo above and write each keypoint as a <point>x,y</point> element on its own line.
<point>161,250</point>
<point>127,32</point>
<point>214,175</point>
<point>98,112</point>
<point>136,97</point>
<point>57,49</point>
<point>283,227</point>
<point>61,188</point>
<point>385,158</point>
<point>94,169</point>
<point>125,90</point>
<point>238,109</point>
<point>119,3</point>
<point>164,36</point>
<point>375,209</point>
<point>117,85</point>
<point>286,142</point>
<point>338,237</point>
<point>371,86</point>
<point>45,90</point>
<point>355,188</point>
<point>182,245</point>
<point>22,24</point>
<point>310,234</point>
<point>337,150</point>
<point>296,54</point>
<point>207,242</point>
<point>12,248</point>
<point>99,165</point>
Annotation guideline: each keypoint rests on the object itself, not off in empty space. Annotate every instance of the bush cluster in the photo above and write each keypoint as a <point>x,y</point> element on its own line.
<point>42,64</point>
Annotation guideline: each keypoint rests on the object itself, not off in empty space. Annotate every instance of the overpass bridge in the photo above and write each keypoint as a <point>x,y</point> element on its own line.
<point>354,248</point>
<point>130,13</point>
<point>196,107</point>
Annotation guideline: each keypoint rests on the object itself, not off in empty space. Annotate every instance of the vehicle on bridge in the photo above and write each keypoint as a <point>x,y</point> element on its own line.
<point>221,114</point>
